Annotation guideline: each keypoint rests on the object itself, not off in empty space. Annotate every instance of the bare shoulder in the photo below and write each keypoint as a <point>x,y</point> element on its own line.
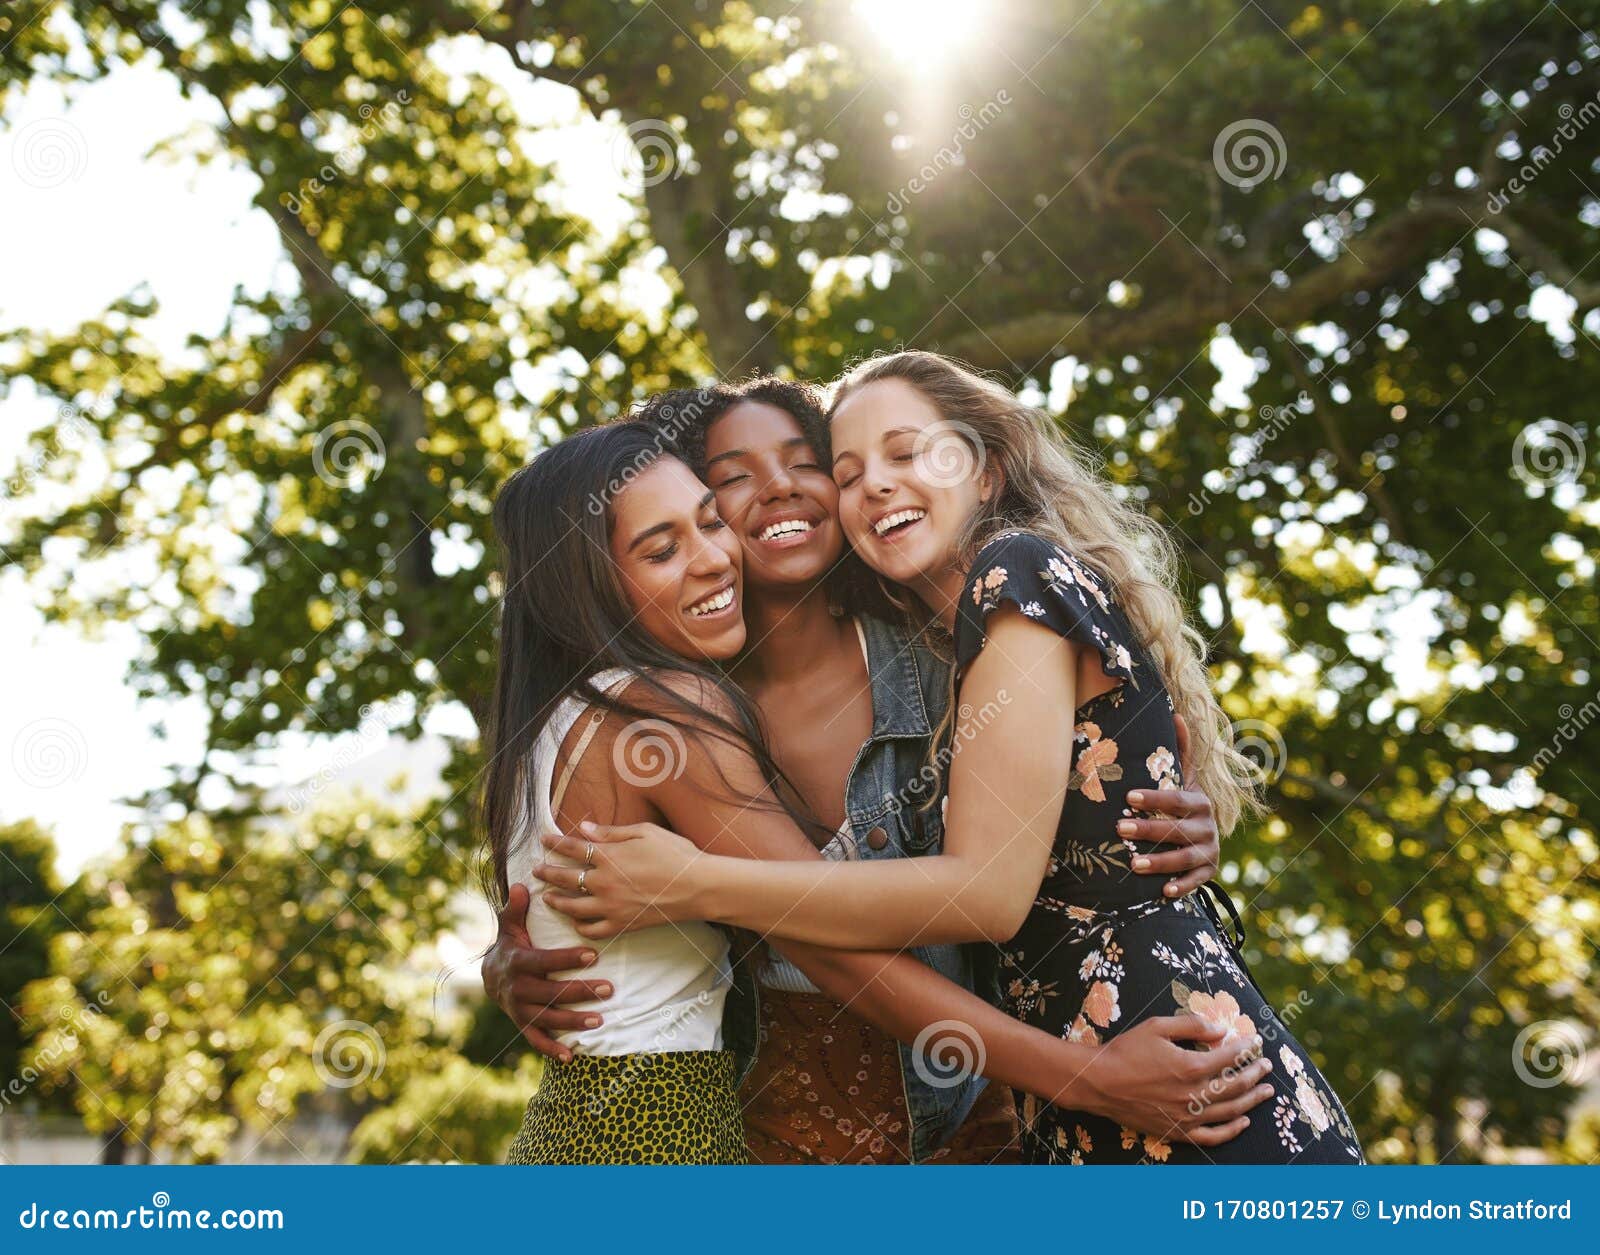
<point>672,737</point>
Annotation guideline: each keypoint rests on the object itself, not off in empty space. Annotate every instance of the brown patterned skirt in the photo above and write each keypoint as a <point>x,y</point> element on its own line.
<point>826,1089</point>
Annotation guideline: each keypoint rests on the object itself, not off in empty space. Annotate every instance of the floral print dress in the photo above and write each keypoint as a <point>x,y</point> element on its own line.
<point>1102,949</point>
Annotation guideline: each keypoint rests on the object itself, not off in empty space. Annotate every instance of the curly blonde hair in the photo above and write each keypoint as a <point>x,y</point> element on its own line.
<point>1045,484</point>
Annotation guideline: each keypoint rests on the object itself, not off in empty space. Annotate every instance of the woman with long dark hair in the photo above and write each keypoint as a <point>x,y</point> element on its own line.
<point>620,589</point>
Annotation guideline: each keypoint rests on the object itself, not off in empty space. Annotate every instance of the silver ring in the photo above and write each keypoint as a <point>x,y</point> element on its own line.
<point>588,855</point>
<point>583,876</point>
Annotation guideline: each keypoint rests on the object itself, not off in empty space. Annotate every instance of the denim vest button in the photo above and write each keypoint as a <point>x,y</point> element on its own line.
<point>877,838</point>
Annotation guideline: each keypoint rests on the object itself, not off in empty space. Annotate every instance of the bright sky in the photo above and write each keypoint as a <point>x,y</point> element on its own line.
<point>74,739</point>
<point>99,223</point>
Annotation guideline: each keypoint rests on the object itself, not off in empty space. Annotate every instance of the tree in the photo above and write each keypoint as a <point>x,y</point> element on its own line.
<point>35,907</point>
<point>228,976</point>
<point>1381,214</point>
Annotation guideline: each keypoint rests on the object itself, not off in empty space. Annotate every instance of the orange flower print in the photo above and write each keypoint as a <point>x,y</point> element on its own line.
<point>1130,1138</point>
<point>1221,1010</point>
<point>1085,1142</point>
<point>1100,1004</point>
<point>1157,1148</point>
<point>1163,768</point>
<point>1082,1031</point>
<point>1311,1104</point>
<point>994,577</point>
<point>1095,764</point>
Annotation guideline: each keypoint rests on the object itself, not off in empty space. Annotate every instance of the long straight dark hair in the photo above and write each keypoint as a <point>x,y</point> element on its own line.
<point>564,619</point>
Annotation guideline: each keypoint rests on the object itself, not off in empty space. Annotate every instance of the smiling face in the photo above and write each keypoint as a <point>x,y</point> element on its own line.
<point>908,481</point>
<point>678,562</point>
<point>775,495</point>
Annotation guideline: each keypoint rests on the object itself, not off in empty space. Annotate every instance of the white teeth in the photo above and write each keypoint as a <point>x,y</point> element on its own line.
<point>897,518</point>
<point>711,605</point>
<point>788,527</point>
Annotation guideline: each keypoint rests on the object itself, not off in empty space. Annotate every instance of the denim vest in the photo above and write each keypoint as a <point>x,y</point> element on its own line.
<point>883,796</point>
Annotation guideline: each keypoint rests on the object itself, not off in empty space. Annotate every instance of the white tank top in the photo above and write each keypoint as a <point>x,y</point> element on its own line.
<point>669,983</point>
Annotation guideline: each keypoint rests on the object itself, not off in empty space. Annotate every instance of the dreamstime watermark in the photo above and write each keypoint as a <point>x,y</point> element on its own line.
<point>348,1053</point>
<point>376,723</point>
<point>1548,453</point>
<point>1548,1053</point>
<point>43,1062</point>
<point>160,1214</point>
<point>1275,420</point>
<point>348,454</point>
<point>948,453</point>
<point>49,753</point>
<point>1573,721</point>
<point>969,723</point>
<point>973,122</point>
<point>1248,153</point>
<point>648,151</point>
<point>670,423</point>
<point>49,153</point>
<point>1263,746</point>
<point>345,162</point>
<point>649,752</point>
<point>947,1053</point>
<point>70,432</point>
<point>1573,124</point>
<point>640,1062</point>
<point>1277,1026</point>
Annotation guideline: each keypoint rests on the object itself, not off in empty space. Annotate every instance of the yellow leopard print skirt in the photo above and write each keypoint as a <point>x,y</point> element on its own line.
<point>668,1107</point>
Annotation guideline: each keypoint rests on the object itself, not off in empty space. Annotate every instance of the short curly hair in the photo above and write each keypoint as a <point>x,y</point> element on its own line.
<point>682,416</point>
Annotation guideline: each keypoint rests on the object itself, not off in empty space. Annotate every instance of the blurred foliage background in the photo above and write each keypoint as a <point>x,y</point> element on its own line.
<point>1317,280</point>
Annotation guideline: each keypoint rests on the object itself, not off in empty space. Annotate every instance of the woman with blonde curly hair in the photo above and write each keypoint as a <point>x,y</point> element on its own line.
<point>1073,664</point>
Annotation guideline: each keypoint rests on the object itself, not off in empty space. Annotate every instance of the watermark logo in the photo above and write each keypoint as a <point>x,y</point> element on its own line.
<point>947,453</point>
<point>1275,420</point>
<point>348,454</point>
<point>973,122</point>
<point>649,752</point>
<point>1547,453</point>
<point>348,1053</point>
<point>1263,745</point>
<point>1248,153</point>
<point>947,1053</point>
<point>1573,124</point>
<point>648,151</point>
<point>1573,721</point>
<point>1548,1053</point>
<point>49,753</point>
<point>49,153</point>
<point>347,160</point>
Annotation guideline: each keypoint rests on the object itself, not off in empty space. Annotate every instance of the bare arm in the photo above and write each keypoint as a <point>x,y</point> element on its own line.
<point>1008,782</point>
<point>1144,1078</point>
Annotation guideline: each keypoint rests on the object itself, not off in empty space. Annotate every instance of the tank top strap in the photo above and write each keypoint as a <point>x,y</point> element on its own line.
<point>555,732</point>
<point>559,791</point>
